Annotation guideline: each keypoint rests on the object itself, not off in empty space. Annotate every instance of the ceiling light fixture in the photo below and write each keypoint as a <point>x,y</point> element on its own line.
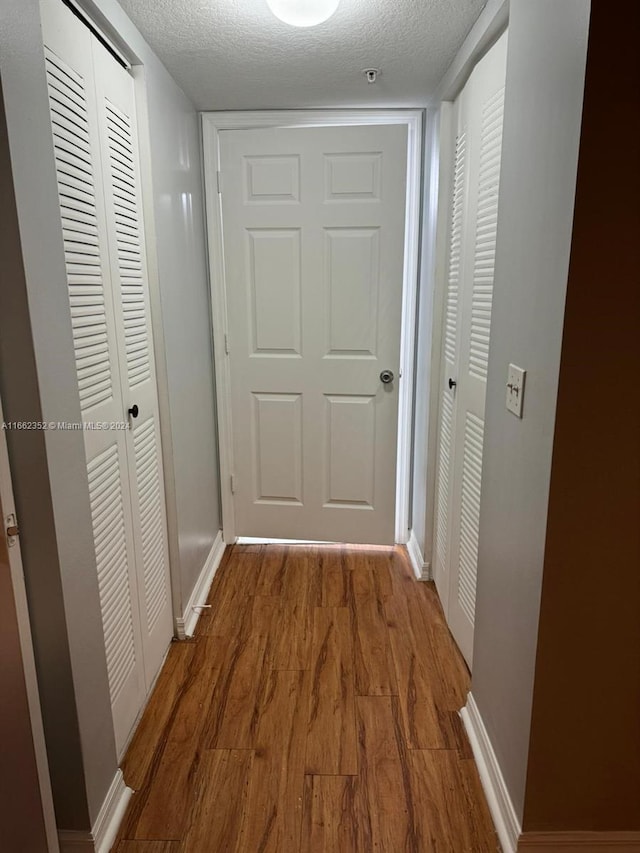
<point>303,13</point>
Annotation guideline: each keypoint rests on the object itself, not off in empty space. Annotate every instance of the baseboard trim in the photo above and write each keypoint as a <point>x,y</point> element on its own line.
<point>495,788</point>
<point>579,842</point>
<point>110,816</point>
<point>186,625</point>
<point>75,842</point>
<point>105,829</point>
<point>420,568</point>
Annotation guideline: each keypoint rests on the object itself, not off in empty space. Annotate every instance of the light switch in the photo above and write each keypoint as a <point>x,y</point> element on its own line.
<point>515,389</point>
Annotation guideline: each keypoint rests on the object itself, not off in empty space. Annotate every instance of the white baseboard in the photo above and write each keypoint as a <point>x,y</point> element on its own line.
<point>500,805</point>
<point>105,829</point>
<point>579,842</point>
<point>75,842</point>
<point>186,625</point>
<point>108,821</point>
<point>420,568</point>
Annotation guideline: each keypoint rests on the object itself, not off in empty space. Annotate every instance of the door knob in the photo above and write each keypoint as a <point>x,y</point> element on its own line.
<point>386,376</point>
<point>452,383</point>
<point>133,411</point>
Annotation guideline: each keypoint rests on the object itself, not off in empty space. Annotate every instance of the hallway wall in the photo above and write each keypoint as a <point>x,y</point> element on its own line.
<point>38,382</point>
<point>543,107</point>
<point>584,754</point>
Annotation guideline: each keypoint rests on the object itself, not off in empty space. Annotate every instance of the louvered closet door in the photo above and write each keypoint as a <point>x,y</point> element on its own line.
<point>121,173</point>
<point>467,335</point>
<point>77,151</point>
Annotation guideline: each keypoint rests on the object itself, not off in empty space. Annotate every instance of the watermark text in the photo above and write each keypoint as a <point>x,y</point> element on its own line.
<point>65,425</point>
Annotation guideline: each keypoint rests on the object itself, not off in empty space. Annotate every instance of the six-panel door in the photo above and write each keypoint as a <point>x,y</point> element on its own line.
<point>313,223</point>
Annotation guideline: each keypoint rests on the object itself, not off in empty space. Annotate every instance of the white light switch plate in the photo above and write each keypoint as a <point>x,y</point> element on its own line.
<point>515,389</point>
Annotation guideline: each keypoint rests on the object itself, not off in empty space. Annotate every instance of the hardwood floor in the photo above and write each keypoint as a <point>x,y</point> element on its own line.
<point>315,711</point>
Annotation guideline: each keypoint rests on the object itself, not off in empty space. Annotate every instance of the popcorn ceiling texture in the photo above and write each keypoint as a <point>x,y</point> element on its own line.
<point>234,54</point>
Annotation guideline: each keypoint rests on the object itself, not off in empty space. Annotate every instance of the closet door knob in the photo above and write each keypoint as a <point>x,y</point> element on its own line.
<point>133,411</point>
<point>452,383</point>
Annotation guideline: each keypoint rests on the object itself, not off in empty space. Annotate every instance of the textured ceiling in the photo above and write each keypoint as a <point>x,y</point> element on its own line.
<point>234,54</point>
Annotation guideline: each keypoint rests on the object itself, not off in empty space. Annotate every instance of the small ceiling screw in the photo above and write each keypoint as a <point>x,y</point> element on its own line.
<point>371,74</point>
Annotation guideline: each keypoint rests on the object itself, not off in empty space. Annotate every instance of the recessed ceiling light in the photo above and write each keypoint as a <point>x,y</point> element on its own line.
<point>303,13</point>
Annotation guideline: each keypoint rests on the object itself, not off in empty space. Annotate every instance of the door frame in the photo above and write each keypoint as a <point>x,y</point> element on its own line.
<point>8,510</point>
<point>212,124</point>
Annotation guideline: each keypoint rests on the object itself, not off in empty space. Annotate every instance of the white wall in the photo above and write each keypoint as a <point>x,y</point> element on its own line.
<point>544,91</point>
<point>184,291</point>
<point>182,278</point>
<point>38,382</point>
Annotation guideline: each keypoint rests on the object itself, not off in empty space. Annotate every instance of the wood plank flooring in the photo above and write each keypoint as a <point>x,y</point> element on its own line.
<point>315,711</point>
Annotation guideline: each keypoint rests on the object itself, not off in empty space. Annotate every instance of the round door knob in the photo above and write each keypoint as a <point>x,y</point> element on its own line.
<point>452,383</point>
<point>386,376</point>
<point>133,411</point>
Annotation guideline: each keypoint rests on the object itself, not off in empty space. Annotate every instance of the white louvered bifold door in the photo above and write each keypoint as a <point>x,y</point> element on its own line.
<point>466,338</point>
<point>121,172</point>
<point>82,208</point>
<point>91,105</point>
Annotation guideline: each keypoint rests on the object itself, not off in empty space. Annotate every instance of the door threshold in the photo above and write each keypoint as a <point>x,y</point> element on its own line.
<point>263,540</point>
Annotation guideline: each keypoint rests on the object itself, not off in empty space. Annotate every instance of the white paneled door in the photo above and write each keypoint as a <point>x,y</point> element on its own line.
<point>313,222</point>
<point>91,100</point>
<point>477,124</point>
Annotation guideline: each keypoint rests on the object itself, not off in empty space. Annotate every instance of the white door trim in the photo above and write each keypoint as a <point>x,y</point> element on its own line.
<point>212,124</point>
<point>8,507</point>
